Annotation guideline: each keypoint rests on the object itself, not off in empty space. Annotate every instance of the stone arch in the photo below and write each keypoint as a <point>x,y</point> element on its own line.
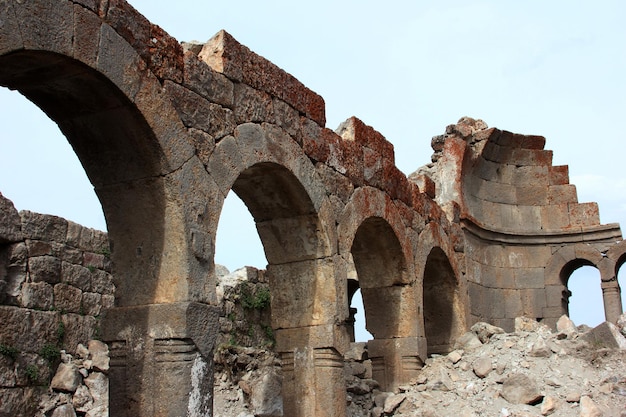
<point>271,174</point>
<point>127,137</point>
<point>569,258</point>
<point>381,269</point>
<point>444,300</point>
<point>88,79</point>
<point>617,254</point>
<point>612,291</point>
<point>372,232</point>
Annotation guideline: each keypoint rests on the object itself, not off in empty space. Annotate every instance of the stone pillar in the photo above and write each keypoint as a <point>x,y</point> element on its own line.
<point>161,359</point>
<point>611,294</point>
<point>396,361</point>
<point>313,375</point>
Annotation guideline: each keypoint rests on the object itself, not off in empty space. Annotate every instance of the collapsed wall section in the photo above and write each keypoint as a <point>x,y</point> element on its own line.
<point>55,280</point>
<point>517,211</point>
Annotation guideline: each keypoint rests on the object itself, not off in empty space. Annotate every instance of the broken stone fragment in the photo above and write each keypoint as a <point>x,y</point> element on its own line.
<point>455,356</point>
<point>392,402</point>
<point>485,331</point>
<point>540,349</point>
<point>520,389</point>
<point>565,326</point>
<point>588,408</point>
<point>65,410</point>
<point>525,324</point>
<point>99,353</point>
<point>548,405</point>
<point>66,378</point>
<point>621,324</point>
<point>468,341</point>
<point>482,367</point>
<point>606,335</point>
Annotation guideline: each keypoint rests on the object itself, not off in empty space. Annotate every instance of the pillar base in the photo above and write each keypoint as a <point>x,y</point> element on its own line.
<point>161,359</point>
<point>313,370</point>
<point>396,361</point>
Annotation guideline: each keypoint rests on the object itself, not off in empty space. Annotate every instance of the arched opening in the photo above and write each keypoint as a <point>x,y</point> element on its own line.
<point>582,297</point>
<point>389,303</point>
<point>117,149</point>
<point>356,316</point>
<point>381,269</point>
<point>443,316</point>
<point>357,310</point>
<point>300,274</point>
<point>124,162</point>
<point>39,171</point>
<point>237,241</point>
<point>621,280</point>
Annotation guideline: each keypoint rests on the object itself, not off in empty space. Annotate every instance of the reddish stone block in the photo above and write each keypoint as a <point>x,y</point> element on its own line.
<point>425,184</point>
<point>559,175</point>
<point>584,214</point>
<point>515,140</point>
<point>397,185</point>
<point>555,217</point>
<point>373,173</point>
<point>533,142</point>
<point>316,143</point>
<point>356,130</point>
<point>162,53</point>
<point>224,54</point>
<point>560,194</point>
<point>531,157</point>
<point>95,260</point>
<point>347,158</point>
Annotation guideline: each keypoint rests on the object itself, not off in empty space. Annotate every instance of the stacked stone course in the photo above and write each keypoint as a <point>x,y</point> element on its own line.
<point>55,280</point>
<point>488,232</point>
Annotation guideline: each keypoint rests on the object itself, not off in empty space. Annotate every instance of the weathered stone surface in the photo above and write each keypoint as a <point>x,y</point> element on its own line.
<point>43,226</point>
<point>65,410</point>
<point>67,298</point>
<point>520,389</point>
<point>66,378</point>
<point>99,353</point>
<point>45,269</point>
<point>484,331</point>
<point>10,222</point>
<point>565,325</point>
<point>588,408</point>
<point>482,367</point>
<point>468,341</point>
<point>98,386</point>
<point>37,295</point>
<point>78,329</point>
<point>265,398</point>
<point>606,335</point>
<point>154,124</point>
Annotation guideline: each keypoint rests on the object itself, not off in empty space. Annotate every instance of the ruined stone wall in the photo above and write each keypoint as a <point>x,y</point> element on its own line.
<point>166,130</point>
<point>55,280</point>
<point>525,231</point>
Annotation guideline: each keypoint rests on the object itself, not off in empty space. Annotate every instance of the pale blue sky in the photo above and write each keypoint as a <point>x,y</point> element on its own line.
<point>408,68</point>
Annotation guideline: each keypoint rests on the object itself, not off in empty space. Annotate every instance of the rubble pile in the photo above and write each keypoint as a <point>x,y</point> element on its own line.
<point>533,371</point>
<point>530,372</point>
<point>80,386</point>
